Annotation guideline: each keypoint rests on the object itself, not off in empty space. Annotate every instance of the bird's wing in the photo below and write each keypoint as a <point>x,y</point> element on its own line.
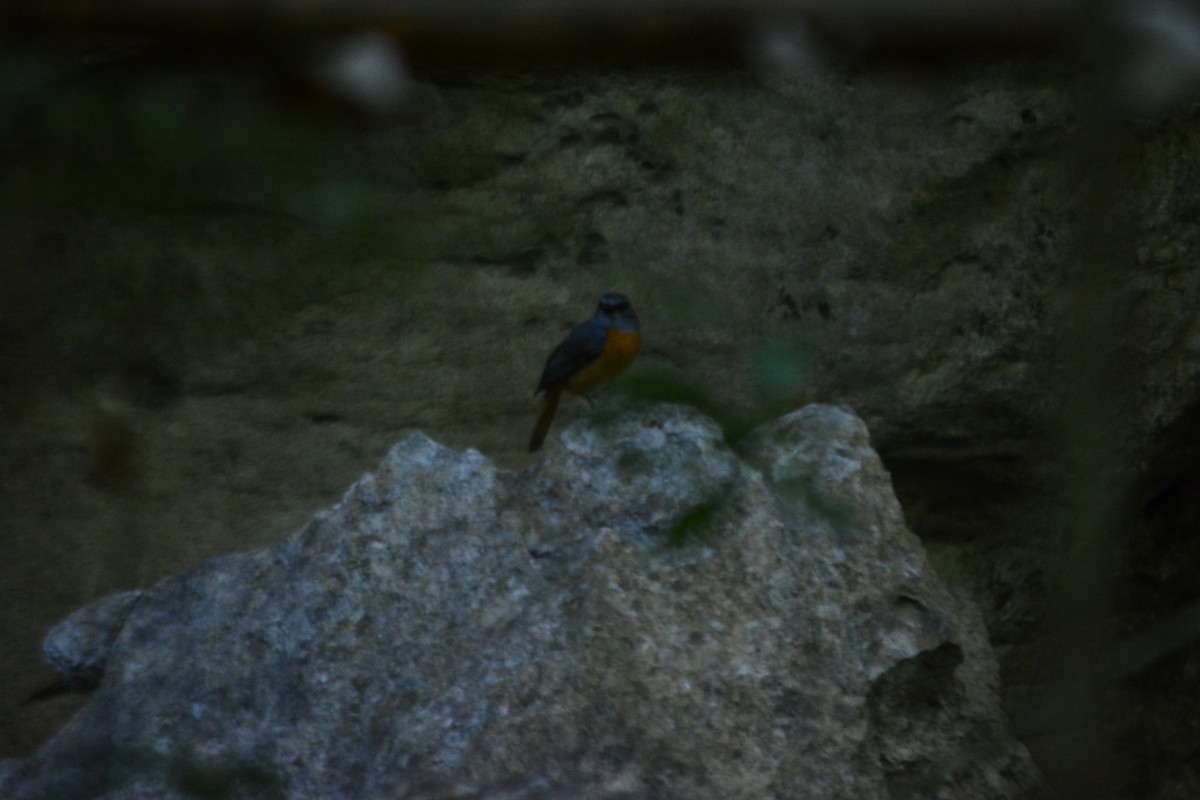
<point>581,347</point>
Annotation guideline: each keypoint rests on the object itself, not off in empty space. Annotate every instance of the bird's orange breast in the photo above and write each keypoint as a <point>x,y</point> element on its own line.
<point>620,348</point>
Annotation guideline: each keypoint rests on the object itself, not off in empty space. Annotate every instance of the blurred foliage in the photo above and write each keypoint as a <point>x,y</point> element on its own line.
<point>780,371</point>
<point>129,768</point>
<point>94,139</point>
<point>839,516</point>
<point>217,782</point>
<point>215,200</point>
<point>782,367</point>
<point>650,386</point>
<point>696,524</point>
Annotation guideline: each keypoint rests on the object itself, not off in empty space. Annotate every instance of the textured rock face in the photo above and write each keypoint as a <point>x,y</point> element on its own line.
<point>903,237</point>
<point>641,614</point>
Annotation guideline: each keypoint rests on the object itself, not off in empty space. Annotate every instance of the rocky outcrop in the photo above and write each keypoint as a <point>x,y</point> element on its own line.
<point>218,361</point>
<point>643,613</point>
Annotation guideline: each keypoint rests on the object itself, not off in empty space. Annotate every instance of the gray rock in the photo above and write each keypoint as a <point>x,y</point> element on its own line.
<point>641,614</point>
<point>79,646</point>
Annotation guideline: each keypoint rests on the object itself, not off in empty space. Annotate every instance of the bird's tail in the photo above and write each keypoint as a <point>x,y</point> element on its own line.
<point>549,406</point>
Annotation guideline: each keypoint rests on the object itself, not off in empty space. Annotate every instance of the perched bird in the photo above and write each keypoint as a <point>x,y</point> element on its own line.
<point>595,352</point>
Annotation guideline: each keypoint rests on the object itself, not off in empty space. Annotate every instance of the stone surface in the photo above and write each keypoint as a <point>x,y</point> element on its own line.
<point>216,313</point>
<point>640,614</point>
<point>78,647</point>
